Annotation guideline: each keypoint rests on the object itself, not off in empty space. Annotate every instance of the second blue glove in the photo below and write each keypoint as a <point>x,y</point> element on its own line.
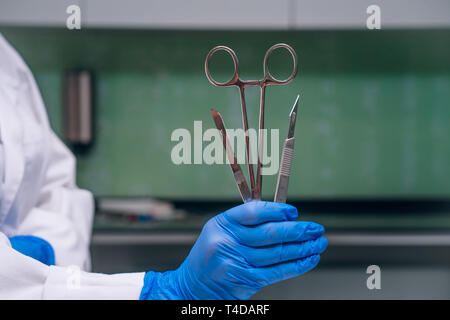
<point>34,247</point>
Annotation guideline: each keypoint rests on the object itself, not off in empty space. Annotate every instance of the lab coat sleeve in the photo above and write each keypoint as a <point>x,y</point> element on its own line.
<point>63,213</point>
<point>58,211</point>
<point>22,277</point>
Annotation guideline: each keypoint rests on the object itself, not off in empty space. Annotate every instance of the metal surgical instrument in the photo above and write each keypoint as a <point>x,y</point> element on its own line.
<point>286,158</point>
<point>236,81</point>
<point>235,167</point>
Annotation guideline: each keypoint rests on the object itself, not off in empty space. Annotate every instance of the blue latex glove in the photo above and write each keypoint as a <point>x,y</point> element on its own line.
<point>34,247</point>
<point>239,252</point>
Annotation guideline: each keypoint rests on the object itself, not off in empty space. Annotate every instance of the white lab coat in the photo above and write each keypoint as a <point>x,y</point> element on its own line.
<point>38,196</point>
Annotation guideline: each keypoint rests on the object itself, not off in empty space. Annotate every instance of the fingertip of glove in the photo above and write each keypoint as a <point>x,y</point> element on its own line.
<point>314,260</point>
<point>315,229</point>
<point>323,244</point>
<point>290,211</point>
<point>308,263</point>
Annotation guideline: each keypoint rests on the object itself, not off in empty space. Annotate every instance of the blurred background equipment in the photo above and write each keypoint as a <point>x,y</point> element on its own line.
<point>373,149</point>
<point>135,210</point>
<point>78,108</point>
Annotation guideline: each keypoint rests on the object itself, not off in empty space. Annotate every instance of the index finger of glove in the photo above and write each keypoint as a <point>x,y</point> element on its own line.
<point>257,212</point>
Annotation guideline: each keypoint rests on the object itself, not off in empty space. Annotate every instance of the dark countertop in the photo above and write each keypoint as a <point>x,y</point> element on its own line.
<point>359,233</point>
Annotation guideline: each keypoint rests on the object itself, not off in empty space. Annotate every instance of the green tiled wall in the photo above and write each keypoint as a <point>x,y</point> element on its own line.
<point>374,119</point>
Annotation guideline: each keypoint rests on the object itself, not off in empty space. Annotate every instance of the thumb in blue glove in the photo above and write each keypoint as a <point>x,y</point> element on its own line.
<point>240,251</point>
<point>34,247</point>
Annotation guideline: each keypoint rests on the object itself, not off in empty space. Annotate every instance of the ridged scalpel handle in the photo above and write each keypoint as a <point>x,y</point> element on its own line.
<point>285,170</point>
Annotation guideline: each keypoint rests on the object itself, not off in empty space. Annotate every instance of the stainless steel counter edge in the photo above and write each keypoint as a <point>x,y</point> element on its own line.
<point>341,239</point>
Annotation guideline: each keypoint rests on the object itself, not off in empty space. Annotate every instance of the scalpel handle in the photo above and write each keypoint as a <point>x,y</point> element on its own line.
<point>285,170</point>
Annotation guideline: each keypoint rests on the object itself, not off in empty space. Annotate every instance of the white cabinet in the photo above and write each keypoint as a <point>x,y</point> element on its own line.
<point>150,14</point>
<point>189,14</point>
<point>35,12</point>
<point>352,14</point>
<point>227,14</point>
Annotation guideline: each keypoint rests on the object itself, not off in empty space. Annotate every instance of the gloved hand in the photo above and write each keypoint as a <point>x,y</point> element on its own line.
<point>34,247</point>
<point>240,251</point>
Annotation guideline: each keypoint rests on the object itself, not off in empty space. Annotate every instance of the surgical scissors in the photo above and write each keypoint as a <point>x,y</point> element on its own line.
<point>236,81</point>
